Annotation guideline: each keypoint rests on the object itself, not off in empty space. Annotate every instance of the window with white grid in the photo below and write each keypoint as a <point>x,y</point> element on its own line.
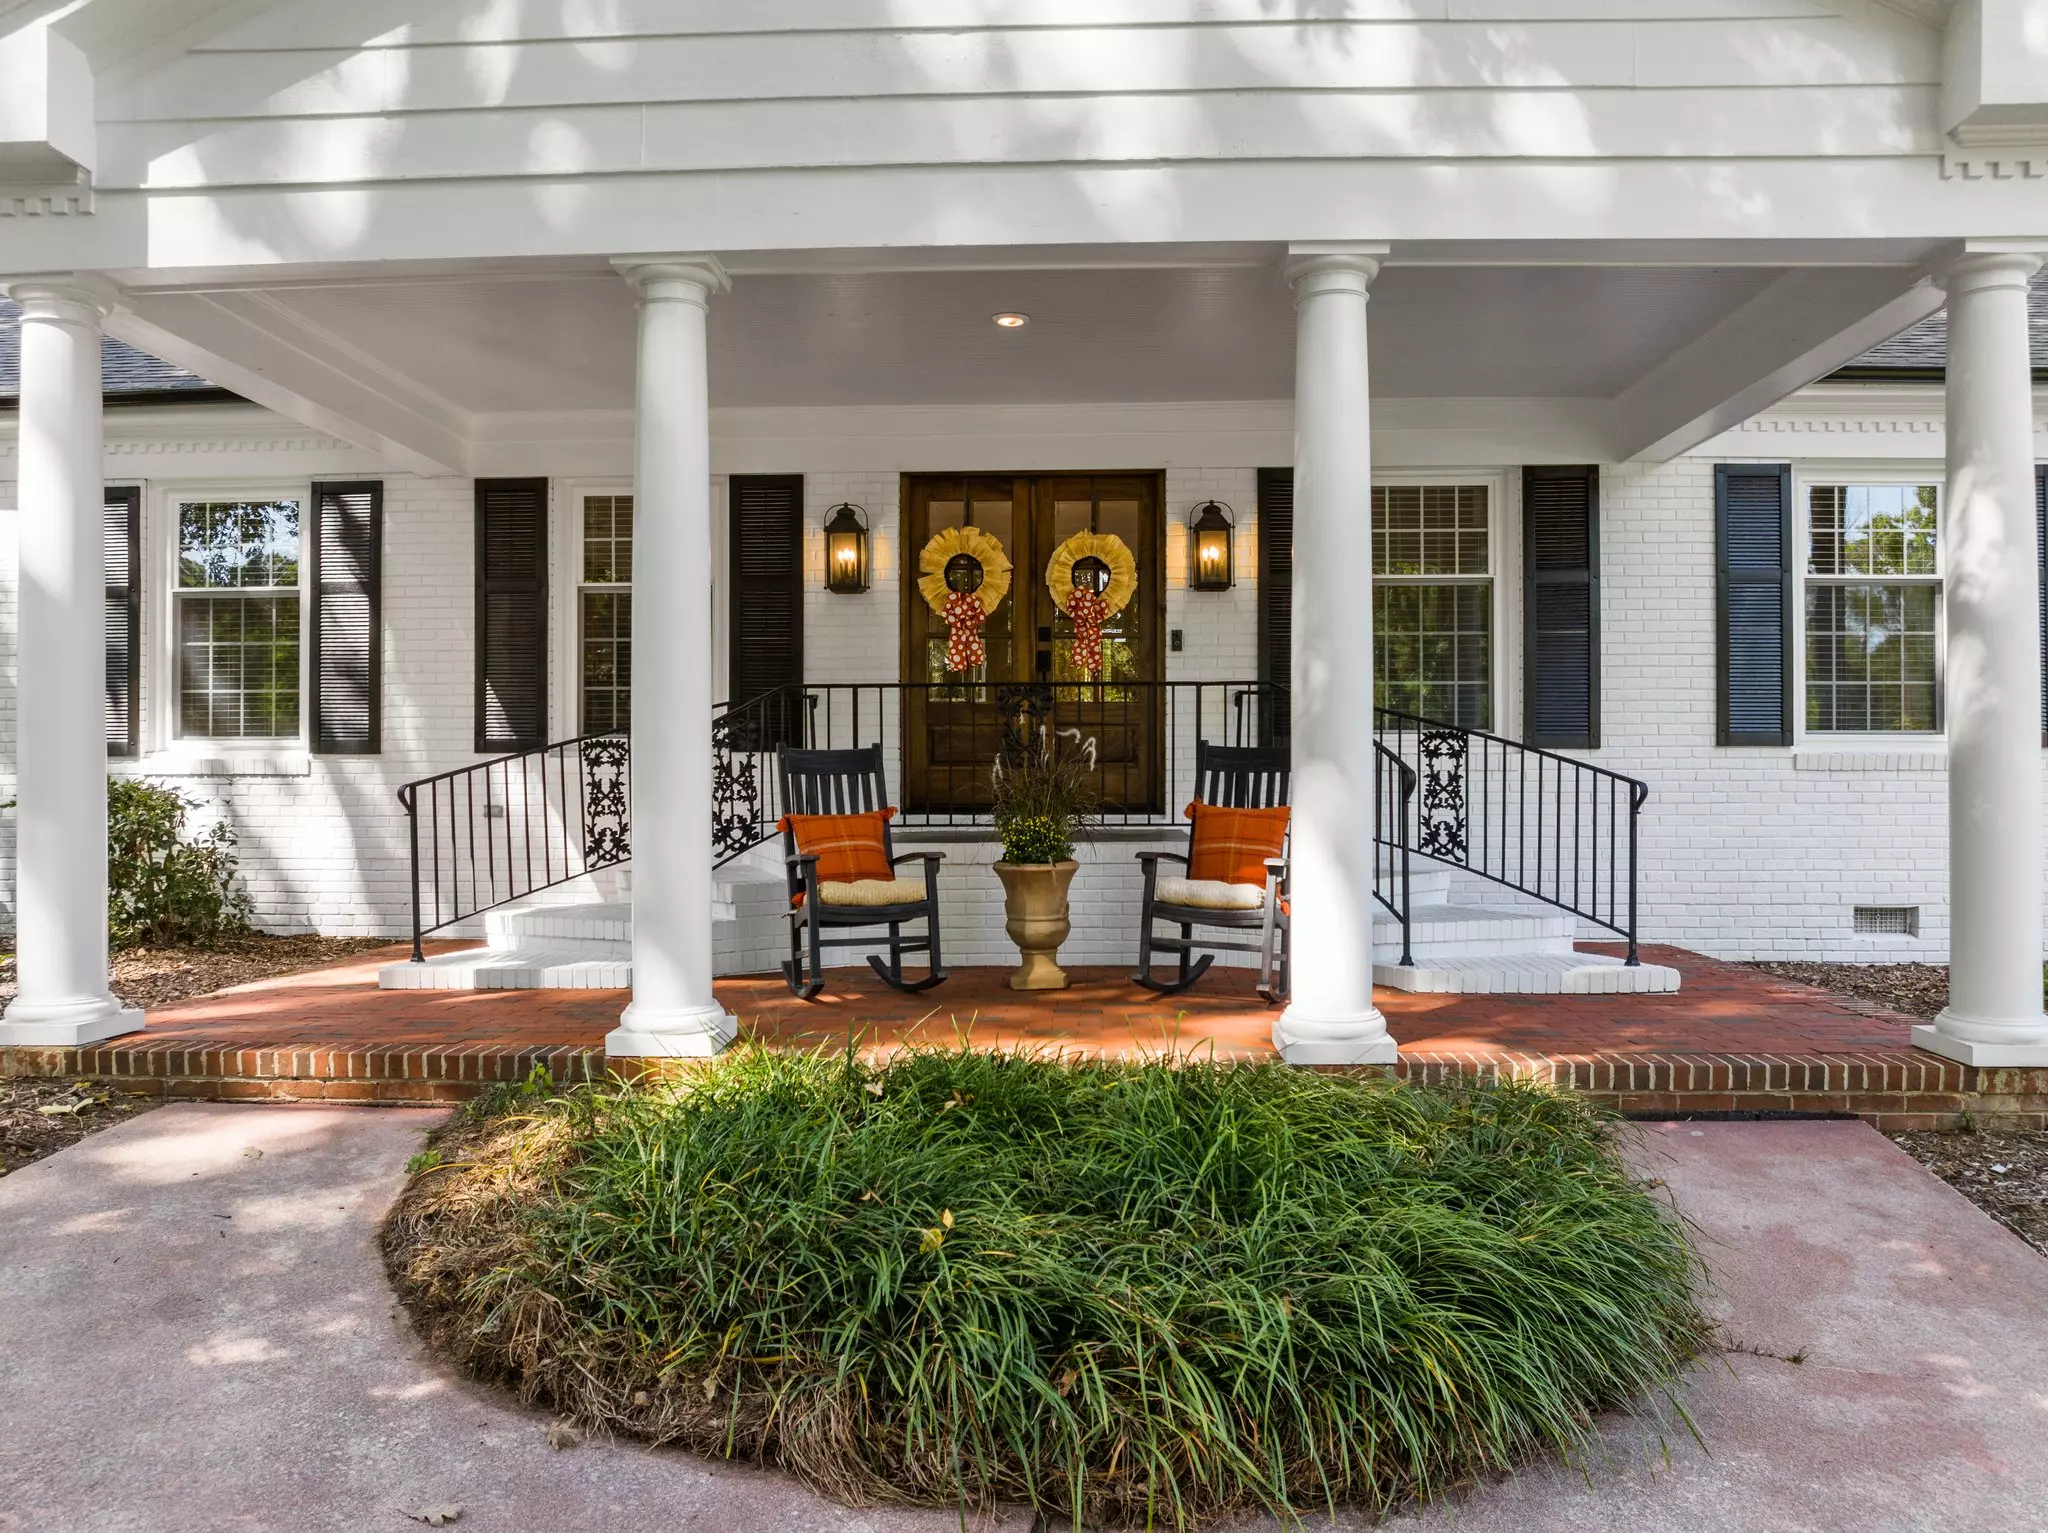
<point>1432,613</point>
<point>604,615</point>
<point>1873,608</point>
<point>236,614</point>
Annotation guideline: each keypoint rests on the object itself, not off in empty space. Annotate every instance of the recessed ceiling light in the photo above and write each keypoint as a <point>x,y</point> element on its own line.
<point>1011,320</point>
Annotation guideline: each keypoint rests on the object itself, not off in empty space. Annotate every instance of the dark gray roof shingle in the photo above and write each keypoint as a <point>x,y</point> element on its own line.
<point>1924,348</point>
<point>124,371</point>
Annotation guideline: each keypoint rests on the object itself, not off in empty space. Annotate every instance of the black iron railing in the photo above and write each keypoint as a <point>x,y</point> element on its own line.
<point>1393,808</point>
<point>491,833</point>
<point>1551,826</point>
<point>939,742</point>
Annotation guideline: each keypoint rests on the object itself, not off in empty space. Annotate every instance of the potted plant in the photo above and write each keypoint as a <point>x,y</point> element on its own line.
<point>1042,806</point>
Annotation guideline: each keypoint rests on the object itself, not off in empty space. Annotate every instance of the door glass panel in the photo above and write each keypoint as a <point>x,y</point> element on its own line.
<point>1070,517</point>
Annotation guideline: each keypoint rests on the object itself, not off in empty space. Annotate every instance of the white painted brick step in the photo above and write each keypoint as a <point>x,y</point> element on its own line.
<point>1526,974</point>
<point>523,968</point>
<point>1471,930</point>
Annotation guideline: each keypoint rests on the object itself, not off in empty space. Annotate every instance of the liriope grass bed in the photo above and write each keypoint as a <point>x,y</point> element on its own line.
<point>1120,1292</point>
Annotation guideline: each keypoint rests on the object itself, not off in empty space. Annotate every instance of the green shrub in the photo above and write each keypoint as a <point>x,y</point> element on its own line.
<point>163,886</point>
<point>1116,1291</point>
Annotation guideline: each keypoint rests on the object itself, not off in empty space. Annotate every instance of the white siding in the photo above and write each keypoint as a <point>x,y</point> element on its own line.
<point>310,94</point>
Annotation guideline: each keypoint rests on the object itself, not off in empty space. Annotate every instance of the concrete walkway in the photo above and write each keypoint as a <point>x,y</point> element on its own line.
<point>197,1336</point>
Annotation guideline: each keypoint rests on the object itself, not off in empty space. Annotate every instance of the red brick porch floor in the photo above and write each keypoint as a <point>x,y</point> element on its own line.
<point>1731,1039</point>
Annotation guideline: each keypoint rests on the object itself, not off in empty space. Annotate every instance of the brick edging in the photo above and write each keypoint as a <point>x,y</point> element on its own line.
<point>1906,1089</point>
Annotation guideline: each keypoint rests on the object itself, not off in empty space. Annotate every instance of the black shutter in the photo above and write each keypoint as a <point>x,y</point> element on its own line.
<point>765,595</point>
<point>1754,577</point>
<point>347,669</point>
<point>511,614</point>
<point>1276,600</point>
<point>122,554</point>
<point>1561,605</point>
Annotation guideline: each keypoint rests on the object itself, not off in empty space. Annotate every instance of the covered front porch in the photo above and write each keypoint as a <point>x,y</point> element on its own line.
<point>1520,373</point>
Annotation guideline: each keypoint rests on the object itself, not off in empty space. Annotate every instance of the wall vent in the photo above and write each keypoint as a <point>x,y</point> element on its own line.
<point>1887,920</point>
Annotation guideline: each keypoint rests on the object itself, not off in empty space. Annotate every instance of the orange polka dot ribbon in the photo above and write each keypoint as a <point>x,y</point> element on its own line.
<point>1089,612</point>
<point>964,617</point>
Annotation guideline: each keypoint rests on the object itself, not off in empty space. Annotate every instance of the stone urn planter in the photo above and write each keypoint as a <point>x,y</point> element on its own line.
<point>1035,916</point>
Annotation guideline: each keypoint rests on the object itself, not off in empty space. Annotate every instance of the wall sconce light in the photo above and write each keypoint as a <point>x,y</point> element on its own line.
<point>1209,539</point>
<point>846,550</point>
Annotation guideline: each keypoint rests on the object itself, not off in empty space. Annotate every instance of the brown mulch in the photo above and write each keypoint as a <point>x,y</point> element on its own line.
<point>39,1117</point>
<point>1918,989</point>
<point>2005,1174</point>
<point>147,977</point>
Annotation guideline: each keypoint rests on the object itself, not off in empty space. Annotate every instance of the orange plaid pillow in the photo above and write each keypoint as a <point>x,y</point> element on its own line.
<point>848,846</point>
<point>1230,846</point>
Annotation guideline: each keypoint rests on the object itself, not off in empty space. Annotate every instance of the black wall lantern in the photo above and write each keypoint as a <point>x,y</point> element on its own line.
<point>1209,552</point>
<point>846,550</point>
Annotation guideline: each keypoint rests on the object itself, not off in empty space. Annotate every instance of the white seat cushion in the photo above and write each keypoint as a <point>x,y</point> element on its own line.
<point>873,891</point>
<point>1209,894</point>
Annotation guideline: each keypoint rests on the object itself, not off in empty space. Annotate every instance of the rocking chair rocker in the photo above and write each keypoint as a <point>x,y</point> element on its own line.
<point>848,782</point>
<point>1234,777</point>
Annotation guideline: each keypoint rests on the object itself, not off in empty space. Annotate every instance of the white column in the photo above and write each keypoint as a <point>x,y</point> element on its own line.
<point>1993,705</point>
<point>673,1010</point>
<point>1330,1017</point>
<point>60,909</point>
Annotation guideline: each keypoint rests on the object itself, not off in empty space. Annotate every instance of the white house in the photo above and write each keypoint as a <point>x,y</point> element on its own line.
<point>483,375</point>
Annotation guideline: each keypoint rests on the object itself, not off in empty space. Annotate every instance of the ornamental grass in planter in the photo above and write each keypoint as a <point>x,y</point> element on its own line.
<point>1149,1292</point>
<point>1043,802</point>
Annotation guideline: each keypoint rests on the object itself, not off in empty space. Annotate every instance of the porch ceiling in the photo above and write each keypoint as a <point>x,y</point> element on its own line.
<point>922,338</point>
<point>421,362</point>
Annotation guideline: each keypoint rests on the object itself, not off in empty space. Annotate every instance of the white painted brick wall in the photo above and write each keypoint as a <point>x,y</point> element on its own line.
<point>327,850</point>
<point>1744,854</point>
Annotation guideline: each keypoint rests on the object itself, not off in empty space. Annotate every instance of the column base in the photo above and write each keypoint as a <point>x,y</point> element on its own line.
<point>1969,1051</point>
<point>681,1033</point>
<point>1354,1038</point>
<point>67,1024</point>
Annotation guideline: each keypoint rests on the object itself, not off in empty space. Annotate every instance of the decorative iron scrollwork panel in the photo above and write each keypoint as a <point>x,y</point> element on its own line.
<point>1444,765</point>
<point>735,786</point>
<point>607,797</point>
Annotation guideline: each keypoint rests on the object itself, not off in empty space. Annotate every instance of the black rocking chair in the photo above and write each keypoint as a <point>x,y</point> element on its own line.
<point>1235,777</point>
<point>848,782</point>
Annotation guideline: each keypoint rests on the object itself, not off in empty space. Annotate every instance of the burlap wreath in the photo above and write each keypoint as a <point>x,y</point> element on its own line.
<point>1112,551</point>
<point>977,545</point>
<point>1087,608</point>
<point>963,611</point>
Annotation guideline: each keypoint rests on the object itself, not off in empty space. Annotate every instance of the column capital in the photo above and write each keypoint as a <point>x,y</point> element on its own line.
<point>690,278</point>
<point>66,297</point>
<point>1991,264</point>
<point>1333,266</point>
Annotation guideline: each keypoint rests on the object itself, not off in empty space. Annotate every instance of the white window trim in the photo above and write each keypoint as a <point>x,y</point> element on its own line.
<point>1821,742</point>
<point>162,749</point>
<point>1503,524</point>
<point>565,614</point>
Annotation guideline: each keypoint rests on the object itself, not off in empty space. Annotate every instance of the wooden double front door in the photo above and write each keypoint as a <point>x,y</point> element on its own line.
<point>958,723</point>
